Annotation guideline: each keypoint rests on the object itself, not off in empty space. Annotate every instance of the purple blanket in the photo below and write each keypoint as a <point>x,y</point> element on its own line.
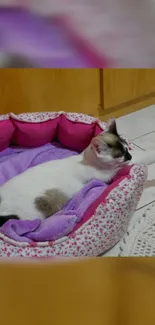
<point>14,161</point>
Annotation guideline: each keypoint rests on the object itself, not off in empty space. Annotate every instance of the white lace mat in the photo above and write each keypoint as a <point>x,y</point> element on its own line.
<point>140,238</point>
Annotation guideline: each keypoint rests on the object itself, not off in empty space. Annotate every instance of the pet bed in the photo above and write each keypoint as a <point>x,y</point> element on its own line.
<point>95,219</point>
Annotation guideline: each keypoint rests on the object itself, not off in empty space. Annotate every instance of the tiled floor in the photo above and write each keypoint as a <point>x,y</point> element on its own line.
<point>140,128</point>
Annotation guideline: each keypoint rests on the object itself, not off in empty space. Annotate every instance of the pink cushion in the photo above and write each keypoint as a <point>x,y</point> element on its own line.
<point>122,173</point>
<point>34,134</point>
<point>98,130</point>
<point>6,132</point>
<point>76,136</point>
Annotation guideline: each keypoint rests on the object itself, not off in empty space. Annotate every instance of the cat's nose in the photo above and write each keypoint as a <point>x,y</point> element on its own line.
<point>127,156</point>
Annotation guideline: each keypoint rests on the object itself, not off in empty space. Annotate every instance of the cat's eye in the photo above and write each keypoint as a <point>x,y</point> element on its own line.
<point>110,146</point>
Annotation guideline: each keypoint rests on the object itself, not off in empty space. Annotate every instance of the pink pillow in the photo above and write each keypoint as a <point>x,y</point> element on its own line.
<point>6,132</point>
<point>76,136</point>
<point>34,134</point>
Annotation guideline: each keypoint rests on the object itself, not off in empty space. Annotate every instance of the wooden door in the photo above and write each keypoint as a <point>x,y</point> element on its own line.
<point>31,90</point>
<point>126,90</point>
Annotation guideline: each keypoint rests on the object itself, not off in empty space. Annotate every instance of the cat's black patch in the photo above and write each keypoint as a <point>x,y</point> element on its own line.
<point>4,219</point>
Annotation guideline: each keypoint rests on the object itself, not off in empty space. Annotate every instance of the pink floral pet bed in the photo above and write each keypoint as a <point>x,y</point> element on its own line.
<point>95,219</point>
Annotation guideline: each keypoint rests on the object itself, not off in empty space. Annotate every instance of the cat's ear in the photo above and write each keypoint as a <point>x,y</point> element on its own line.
<point>98,146</point>
<point>111,126</point>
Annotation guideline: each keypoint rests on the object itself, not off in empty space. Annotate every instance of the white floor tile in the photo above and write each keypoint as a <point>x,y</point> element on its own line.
<point>149,192</point>
<point>146,142</point>
<point>113,251</point>
<point>137,124</point>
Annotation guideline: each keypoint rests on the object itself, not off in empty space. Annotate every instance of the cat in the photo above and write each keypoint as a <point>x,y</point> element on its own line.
<point>43,190</point>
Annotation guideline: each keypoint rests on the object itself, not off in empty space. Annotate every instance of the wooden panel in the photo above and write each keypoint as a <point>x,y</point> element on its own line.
<point>139,291</point>
<point>98,291</point>
<point>61,294</point>
<point>28,90</point>
<point>128,108</point>
<point>126,85</point>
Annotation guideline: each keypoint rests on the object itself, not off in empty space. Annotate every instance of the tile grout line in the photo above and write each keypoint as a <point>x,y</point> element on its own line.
<point>138,146</point>
<point>145,205</point>
<point>141,136</point>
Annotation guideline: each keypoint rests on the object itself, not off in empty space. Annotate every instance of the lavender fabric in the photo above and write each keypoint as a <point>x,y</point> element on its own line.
<point>14,161</point>
<point>44,43</point>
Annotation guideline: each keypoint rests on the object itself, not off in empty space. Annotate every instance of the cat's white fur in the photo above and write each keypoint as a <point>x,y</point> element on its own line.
<point>68,175</point>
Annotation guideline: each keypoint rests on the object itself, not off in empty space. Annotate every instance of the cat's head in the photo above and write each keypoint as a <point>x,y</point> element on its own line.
<point>109,147</point>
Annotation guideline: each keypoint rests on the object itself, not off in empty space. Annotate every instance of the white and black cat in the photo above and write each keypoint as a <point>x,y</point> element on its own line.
<point>42,190</point>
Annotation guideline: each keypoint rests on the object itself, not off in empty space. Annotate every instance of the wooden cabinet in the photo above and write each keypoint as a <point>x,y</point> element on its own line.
<point>109,291</point>
<point>137,291</point>
<point>70,293</point>
<point>126,90</point>
<point>97,92</point>
<point>33,90</point>
<point>125,85</point>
